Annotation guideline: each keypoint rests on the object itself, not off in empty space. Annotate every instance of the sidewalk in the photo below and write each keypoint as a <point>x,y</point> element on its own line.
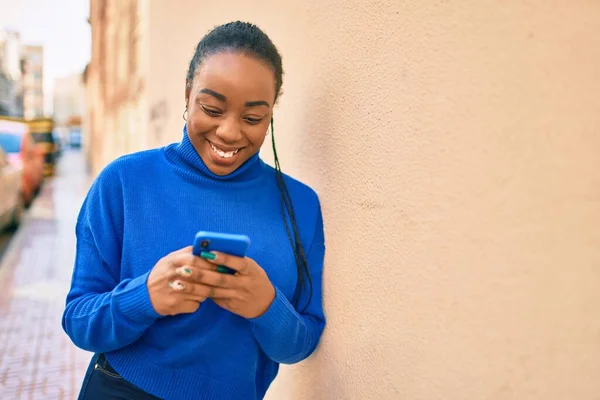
<point>37,359</point>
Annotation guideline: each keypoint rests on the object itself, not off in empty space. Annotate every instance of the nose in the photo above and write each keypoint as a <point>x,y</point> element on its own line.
<point>229,130</point>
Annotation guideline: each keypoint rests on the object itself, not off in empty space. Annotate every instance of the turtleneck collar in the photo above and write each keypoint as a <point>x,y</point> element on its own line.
<point>185,160</point>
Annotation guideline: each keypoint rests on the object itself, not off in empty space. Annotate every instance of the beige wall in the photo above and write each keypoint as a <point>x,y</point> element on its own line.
<point>455,149</point>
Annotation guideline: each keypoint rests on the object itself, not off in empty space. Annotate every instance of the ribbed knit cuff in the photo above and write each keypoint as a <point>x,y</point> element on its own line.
<point>278,316</point>
<point>134,301</point>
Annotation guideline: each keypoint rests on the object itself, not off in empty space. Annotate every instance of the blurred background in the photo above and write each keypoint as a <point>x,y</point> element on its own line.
<point>454,145</point>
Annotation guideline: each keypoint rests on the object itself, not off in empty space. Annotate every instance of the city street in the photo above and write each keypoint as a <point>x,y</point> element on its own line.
<point>37,359</point>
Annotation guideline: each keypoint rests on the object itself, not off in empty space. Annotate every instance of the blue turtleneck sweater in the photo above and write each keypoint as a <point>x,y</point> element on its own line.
<point>146,205</point>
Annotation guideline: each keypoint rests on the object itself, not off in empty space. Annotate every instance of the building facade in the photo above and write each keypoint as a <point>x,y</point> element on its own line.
<point>21,77</point>
<point>115,82</point>
<point>11,77</point>
<point>69,103</point>
<point>33,81</point>
<point>7,96</point>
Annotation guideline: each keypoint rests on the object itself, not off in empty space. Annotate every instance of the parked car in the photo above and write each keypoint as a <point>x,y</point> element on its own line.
<point>22,151</point>
<point>41,130</point>
<point>74,132</point>
<point>11,197</point>
<point>75,138</point>
<point>58,145</point>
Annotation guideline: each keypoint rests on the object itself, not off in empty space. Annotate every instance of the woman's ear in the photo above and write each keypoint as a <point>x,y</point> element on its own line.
<point>188,89</point>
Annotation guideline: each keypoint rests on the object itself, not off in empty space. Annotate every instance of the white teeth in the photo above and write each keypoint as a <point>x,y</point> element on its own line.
<point>223,154</point>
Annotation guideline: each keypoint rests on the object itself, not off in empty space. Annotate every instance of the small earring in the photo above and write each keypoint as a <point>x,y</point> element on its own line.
<point>185,114</point>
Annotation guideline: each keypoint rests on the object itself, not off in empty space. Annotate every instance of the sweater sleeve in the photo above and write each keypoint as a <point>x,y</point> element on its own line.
<point>103,312</point>
<point>285,334</point>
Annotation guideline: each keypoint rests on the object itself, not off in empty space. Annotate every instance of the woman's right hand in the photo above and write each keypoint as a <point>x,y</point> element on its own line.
<point>171,285</point>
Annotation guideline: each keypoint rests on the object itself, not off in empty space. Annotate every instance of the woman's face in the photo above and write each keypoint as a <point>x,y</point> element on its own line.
<point>229,109</point>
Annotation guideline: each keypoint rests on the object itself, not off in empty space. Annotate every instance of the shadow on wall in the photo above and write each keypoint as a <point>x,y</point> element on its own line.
<point>320,152</point>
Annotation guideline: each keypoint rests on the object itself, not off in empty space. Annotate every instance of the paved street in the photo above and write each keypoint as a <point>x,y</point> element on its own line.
<point>37,360</point>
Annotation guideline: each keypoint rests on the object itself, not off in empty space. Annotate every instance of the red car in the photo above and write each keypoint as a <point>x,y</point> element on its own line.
<point>17,142</point>
<point>11,197</point>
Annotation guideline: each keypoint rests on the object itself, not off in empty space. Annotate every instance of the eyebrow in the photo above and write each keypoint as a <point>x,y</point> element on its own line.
<point>220,97</point>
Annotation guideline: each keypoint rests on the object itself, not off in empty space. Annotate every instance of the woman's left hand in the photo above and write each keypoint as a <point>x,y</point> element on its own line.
<point>249,293</point>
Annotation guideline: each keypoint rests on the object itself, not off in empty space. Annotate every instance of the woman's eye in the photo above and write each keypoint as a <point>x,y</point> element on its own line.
<point>253,121</point>
<point>211,111</point>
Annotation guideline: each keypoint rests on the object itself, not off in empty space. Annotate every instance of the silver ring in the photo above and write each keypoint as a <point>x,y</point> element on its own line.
<point>176,285</point>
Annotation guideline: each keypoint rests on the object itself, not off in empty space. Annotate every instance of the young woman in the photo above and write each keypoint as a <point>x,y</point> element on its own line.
<point>162,322</point>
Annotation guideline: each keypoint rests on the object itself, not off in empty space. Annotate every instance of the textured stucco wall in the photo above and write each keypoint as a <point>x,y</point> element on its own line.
<point>456,151</point>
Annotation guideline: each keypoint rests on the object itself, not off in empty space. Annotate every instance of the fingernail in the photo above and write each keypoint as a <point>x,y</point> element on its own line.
<point>185,271</point>
<point>208,256</point>
<point>222,269</point>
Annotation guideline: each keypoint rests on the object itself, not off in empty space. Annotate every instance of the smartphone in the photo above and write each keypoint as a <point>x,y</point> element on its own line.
<point>236,245</point>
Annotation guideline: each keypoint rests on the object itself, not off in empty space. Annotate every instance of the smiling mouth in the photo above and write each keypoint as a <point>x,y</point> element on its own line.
<point>222,153</point>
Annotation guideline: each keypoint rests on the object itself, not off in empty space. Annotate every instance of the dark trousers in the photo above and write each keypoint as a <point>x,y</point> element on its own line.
<point>102,382</point>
